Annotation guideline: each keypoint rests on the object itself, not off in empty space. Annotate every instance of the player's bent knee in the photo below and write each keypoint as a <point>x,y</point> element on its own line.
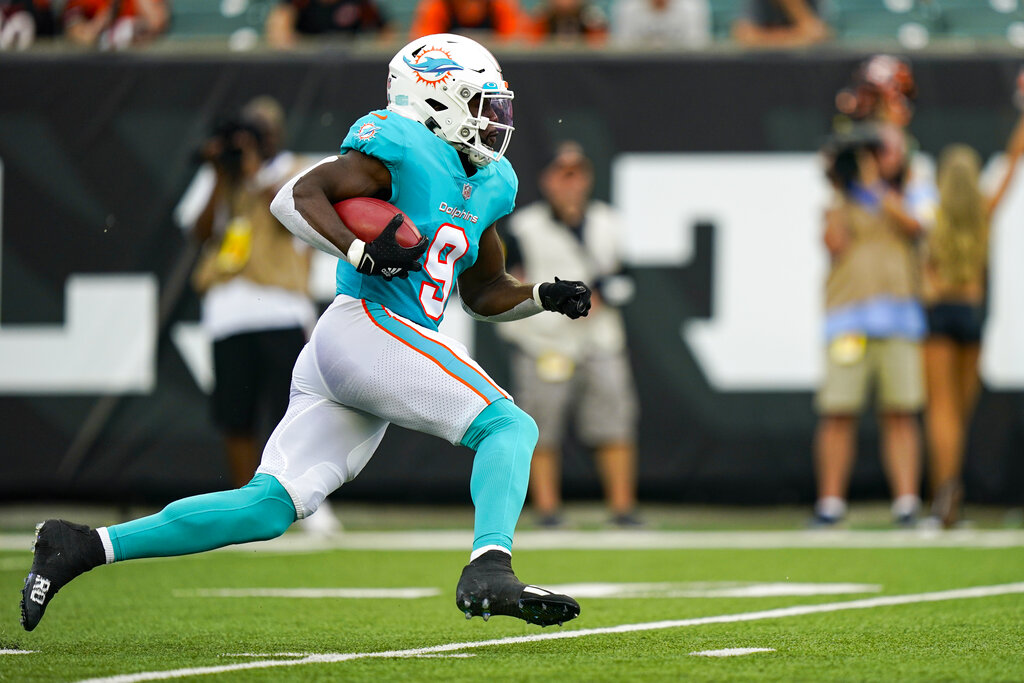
<point>503,417</point>
<point>528,427</point>
<point>273,511</point>
<point>276,524</point>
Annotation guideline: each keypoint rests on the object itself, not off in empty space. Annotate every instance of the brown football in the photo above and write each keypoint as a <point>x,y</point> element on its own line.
<point>367,217</point>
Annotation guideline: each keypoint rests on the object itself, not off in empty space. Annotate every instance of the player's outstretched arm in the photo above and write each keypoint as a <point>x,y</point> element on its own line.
<point>1014,151</point>
<point>489,293</point>
<point>305,205</point>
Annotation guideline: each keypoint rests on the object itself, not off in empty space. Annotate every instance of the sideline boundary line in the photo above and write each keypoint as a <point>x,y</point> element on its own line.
<point>639,539</point>
<point>619,540</point>
<point>779,613</point>
<point>649,539</point>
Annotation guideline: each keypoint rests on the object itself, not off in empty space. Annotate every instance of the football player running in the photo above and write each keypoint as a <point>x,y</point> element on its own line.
<point>376,357</point>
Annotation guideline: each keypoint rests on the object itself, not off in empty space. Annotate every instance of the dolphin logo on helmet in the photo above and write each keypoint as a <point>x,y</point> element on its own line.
<point>433,65</point>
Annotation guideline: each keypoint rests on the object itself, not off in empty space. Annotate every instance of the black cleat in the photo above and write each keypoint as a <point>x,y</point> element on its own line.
<point>488,587</point>
<point>62,551</point>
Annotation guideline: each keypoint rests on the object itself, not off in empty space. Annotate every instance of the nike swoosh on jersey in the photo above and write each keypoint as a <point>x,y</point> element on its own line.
<point>382,118</point>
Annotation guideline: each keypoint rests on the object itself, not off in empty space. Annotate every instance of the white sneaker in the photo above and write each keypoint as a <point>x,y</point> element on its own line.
<point>323,522</point>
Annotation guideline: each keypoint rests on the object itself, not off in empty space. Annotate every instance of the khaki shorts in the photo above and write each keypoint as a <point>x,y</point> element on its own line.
<point>597,393</point>
<point>855,366</point>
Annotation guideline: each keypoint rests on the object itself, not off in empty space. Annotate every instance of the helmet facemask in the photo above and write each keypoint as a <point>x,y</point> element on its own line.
<point>487,129</point>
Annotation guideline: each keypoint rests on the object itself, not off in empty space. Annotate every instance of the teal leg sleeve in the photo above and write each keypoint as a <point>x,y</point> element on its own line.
<point>503,437</point>
<point>260,510</point>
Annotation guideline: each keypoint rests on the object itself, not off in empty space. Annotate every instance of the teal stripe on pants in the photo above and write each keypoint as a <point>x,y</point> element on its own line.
<point>445,357</point>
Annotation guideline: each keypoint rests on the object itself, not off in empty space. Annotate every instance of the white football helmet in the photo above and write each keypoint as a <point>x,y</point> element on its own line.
<point>433,80</point>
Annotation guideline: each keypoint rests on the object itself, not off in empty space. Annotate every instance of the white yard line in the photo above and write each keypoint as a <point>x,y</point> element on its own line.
<point>16,652</point>
<point>640,539</point>
<point>709,589</point>
<point>732,652</point>
<point>266,654</point>
<point>351,593</point>
<point>780,613</point>
<point>643,539</point>
<point>311,654</point>
<point>699,589</point>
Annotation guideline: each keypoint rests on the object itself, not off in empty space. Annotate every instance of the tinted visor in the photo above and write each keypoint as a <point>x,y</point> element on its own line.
<point>496,107</point>
<point>501,105</point>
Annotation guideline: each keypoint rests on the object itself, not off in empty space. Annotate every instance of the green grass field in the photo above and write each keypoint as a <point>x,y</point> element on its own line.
<point>155,616</point>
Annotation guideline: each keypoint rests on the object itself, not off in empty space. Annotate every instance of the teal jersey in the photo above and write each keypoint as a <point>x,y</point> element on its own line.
<point>451,210</point>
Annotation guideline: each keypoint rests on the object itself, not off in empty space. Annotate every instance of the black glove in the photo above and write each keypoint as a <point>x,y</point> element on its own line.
<point>568,297</point>
<point>385,257</point>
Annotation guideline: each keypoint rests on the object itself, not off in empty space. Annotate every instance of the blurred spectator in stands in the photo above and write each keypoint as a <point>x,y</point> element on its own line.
<point>780,23</point>
<point>22,21</point>
<point>291,20</point>
<point>955,273</point>
<point>576,373</point>
<point>253,277</point>
<point>570,22</point>
<point>114,24</point>
<point>661,23</point>
<point>874,324</point>
<point>481,19</point>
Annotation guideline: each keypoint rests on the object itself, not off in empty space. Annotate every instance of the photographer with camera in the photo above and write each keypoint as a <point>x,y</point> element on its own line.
<point>874,325</point>
<point>253,278</point>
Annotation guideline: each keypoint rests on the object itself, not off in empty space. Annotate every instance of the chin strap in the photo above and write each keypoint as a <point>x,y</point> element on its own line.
<point>476,158</point>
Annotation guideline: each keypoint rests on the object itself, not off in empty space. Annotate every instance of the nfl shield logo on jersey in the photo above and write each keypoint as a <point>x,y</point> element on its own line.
<point>467,190</point>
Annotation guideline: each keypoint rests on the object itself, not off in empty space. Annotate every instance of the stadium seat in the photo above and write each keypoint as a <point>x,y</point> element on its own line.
<point>909,21</point>
<point>531,6</point>
<point>212,18</point>
<point>401,13</point>
<point>723,13</point>
<point>980,18</point>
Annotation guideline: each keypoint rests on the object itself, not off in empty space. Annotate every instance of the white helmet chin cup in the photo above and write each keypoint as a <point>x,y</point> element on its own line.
<point>437,79</point>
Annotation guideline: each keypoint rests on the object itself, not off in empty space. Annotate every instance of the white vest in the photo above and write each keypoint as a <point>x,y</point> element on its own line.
<point>549,249</point>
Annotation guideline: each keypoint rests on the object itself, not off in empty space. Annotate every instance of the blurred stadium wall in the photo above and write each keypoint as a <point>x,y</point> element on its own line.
<point>711,159</point>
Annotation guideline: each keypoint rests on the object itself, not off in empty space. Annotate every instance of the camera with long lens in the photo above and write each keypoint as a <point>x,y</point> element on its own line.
<point>841,152</point>
<point>228,147</point>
